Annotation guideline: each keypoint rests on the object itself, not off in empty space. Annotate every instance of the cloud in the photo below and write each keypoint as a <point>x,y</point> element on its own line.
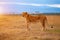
<point>32,4</point>
<point>18,3</point>
<point>54,5</point>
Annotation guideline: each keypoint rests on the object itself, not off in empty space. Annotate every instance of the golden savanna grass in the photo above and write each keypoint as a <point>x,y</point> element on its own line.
<point>13,27</point>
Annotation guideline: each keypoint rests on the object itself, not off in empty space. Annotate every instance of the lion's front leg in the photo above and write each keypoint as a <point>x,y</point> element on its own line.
<point>28,26</point>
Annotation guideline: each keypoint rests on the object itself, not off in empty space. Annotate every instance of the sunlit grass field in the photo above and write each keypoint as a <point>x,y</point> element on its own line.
<point>13,27</point>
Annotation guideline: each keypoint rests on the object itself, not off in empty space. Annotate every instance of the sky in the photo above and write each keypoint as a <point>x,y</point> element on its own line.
<point>18,6</point>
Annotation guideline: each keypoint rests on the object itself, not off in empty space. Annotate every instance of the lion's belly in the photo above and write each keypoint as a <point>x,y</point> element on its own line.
<point>33,19</point>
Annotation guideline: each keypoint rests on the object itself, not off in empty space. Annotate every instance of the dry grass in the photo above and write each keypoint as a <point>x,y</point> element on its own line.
<point>14,28</point>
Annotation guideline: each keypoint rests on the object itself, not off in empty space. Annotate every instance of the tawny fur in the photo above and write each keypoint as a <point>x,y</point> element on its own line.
<point>30,18</point>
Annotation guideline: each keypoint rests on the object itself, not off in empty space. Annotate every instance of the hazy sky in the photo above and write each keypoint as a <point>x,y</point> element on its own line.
<point>44,6</point>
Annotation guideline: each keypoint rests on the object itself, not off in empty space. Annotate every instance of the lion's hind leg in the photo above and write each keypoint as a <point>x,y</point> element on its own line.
<point>43,25</point>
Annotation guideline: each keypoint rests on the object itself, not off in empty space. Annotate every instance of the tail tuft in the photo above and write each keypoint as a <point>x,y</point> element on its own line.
<point>51,26</point>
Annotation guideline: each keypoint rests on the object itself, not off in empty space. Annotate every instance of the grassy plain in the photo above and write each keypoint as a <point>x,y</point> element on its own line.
<point>13,27</point>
